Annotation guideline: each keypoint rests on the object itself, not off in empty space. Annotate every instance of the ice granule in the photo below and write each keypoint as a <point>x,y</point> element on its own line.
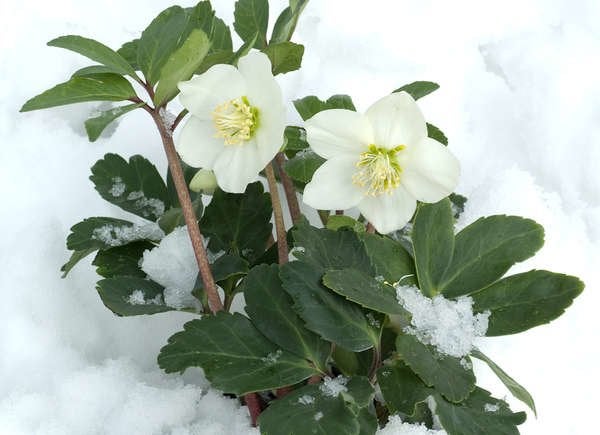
<point>333,387</point>
<point>272,358</point>
<point>306,399</point>
<point>115,235</point>
<point>148,206</point>
<point>167,118</point>
<point>373,321</point>
<point>395,426</point>
<point>318,416</point>
<point>450,326</point>
<point>118,187</point>
<point>491,407</point>
<point>137,297</point>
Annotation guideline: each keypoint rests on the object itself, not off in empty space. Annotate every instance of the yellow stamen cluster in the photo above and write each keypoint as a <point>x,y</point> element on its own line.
<point>235,121</point>
<point>378,170</point>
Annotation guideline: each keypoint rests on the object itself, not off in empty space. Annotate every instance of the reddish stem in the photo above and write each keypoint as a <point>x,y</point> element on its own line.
<point>254,406</point>
<point>288,187</point>
<point>282,247</point>
<point>370,228</point>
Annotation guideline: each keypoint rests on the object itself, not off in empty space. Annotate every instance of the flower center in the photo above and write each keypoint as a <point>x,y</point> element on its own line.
<point>235,121</point>
<point>378,170</point>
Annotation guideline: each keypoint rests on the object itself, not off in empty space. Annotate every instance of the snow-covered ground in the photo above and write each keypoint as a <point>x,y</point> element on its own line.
<point>519,103</point>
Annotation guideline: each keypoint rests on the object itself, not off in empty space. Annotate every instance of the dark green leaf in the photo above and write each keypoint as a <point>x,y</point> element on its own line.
<point>458,204</point>
<point>130,296</point>
<point>92,70</point>
<point>329,315</point>
<point>513,386</point>
<point>96,125</point>
<point>235,357</point>
<point>360,392</point>
<point>389,259</point>
<point>352,363</point>
<point>252,18</point>
<point>433,243</point>
<point>244,49</point>
<point>435,133</point>
<point>75,258</point>
<point>419,89</point>
<point>401,388</point>
<point>239,223</point>
<point>101,233</point>
<point>122,260</point>
<point>453,379</point>
<point>129,52</point>
<point>173,217</point>
<point>520,302</point>
<point>284,57</point>
<point>367,421</point>
<point>79,89</point>
<point>294,140</point>
<point>303,165</point>
<point>97,51</point>
<point>136,187</point>
<point>309,106</point>
<point>270,309</point>
<point>287,20</point>
<point>486,249</point>
<point>220,36</point>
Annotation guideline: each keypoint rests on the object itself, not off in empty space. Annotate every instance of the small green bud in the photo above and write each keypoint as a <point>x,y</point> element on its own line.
<point>204,181</point>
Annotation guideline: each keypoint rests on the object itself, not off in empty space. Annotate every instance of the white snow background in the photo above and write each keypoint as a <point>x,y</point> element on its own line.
<point>519,101</point>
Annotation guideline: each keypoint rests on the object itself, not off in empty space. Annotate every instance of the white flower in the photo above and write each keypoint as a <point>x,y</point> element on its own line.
<point>237,121</point>
<point>381,162</point>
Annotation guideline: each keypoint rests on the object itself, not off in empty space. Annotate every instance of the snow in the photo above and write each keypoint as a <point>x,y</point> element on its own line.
<point>137,297</point>
<point>448,325</point>
<point>490,407</point>
<point>306,399</point>
<point>332,387</point>
<point>272,358</point>
<point>395,426</point>
<point>148,206</point>
<point>114,235</point>
<point>118,187</point>
<point>518,101</point>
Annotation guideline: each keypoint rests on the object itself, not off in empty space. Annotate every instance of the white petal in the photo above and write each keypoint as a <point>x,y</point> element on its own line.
<point>388,212</point>
<point>269,134</point>
<point>335,132</point>
<point>237,166</point>
<point>397,120</point>
<point>331,187</point>
<point>204,92</point>
<point>197,145</point>
<point>429,171</point>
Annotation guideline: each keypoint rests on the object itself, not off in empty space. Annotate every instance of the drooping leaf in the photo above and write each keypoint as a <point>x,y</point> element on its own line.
<point>453,379</point>
<point>309,106</point>
<point>522,301</point>
<point>239,223</point>
<point>235,356</point>
<point>96,51</point>
<point>389,259</point>
<point>122,260</point>
<point>75,258</point>
<point>402,389</point>
<point>325,313</point>
<point>435,133</point>
<point>303,165</point>
<point>132,296</point>
<point>419,89</point>
<point>513,386</point>
<point>486,249</point>
<point>286,22</point>
<point>135,186</point>
<point>270,309</point>
<point>79,89</point>
<point>284,57</point>
<point>433,243</point>
<point>96,125</point>
<point>252,18</point>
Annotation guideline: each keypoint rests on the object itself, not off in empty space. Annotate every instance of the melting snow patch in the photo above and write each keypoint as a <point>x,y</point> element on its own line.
<point>490,407</point>
<point>448,325</point>
<point>118,187</point>
<point>307,399</point>
<point>272,357</point>
<point>395,426</point>
<point>167,118</point>
<point>139,298</point>
<point>333,387</point>
<point>318,416</point>
<point>114,235</point>
<point>148,206</point>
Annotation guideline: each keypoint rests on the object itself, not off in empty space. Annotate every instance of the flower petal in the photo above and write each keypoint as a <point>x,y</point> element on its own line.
<point>197,145</point>
<point>237,166</point>
<point>430,171</point>
<point>201,94</point>
<point>397,120</point>
<point>388,212</point>
<point>335,132</point>
<point>331,187</point>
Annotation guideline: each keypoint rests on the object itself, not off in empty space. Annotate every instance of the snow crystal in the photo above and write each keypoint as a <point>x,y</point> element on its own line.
<point>467,365</point>
<point>318,416</point>
<point>373,321</point>
<point>167,118</point>
<point>148,206</point>
<point>115,235</point>
<point>272,357</point>
<point>450,326</point>
<point>306,399</point>
<point>395,426</point>
<point>137,297</point>
<point>118,187</point>
<point>333,387</point>
<point>491,407</point>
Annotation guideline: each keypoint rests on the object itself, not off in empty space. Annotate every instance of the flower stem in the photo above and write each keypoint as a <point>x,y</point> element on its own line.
<point>191,221</point>
<point>288,187</point>
<point>282,247</point>
<point>370,228</point>
<point>253,403</point>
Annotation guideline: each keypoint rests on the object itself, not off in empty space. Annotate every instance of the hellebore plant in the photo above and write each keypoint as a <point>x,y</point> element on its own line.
<point>365,319</point>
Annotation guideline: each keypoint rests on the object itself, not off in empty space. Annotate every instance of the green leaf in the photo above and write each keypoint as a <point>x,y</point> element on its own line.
<point>368,422</point>
<point>287,20</point>
<point>239,223</point>
<point>96,125</point>
<point>131,296</point>
<point>402,389</point>
<point>419,89</point>
<point>270,309</point>
<point>220,36</point>
<point>235,356</point>
<point>477,415</point>
<point>79,89</point>
<point>444,373</point>
<point>252,18</point>
<point>294,140</point>
<point>513,386</point>
<point>75,258</point>
<point>522,301</point>
<point>486,249</point>
<point>363,290</point>
<point>228,266</point>
<point>92,70</point>
<point>303,165</point>
<point>435,133</point>
<point>329,315</point>
<point>337,222</point>
<point>188,174</point>
<point>174,218</point>
<point>181,65</point>
<point>389,259</point>
<point>129,52</point>
<point>308,411</point>
<point>309,106</point>
<point>99,233</point>
<point>359,391</point>
<point>352,363</point>
<point>458,204</point>
<point>284,57</point>
<point>433,243</point>
<point>122,260</point>
<point>135,186</point>
<point>97,51</point>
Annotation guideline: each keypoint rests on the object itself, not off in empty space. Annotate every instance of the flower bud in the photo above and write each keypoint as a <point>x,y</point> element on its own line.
<point>204,181</point>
